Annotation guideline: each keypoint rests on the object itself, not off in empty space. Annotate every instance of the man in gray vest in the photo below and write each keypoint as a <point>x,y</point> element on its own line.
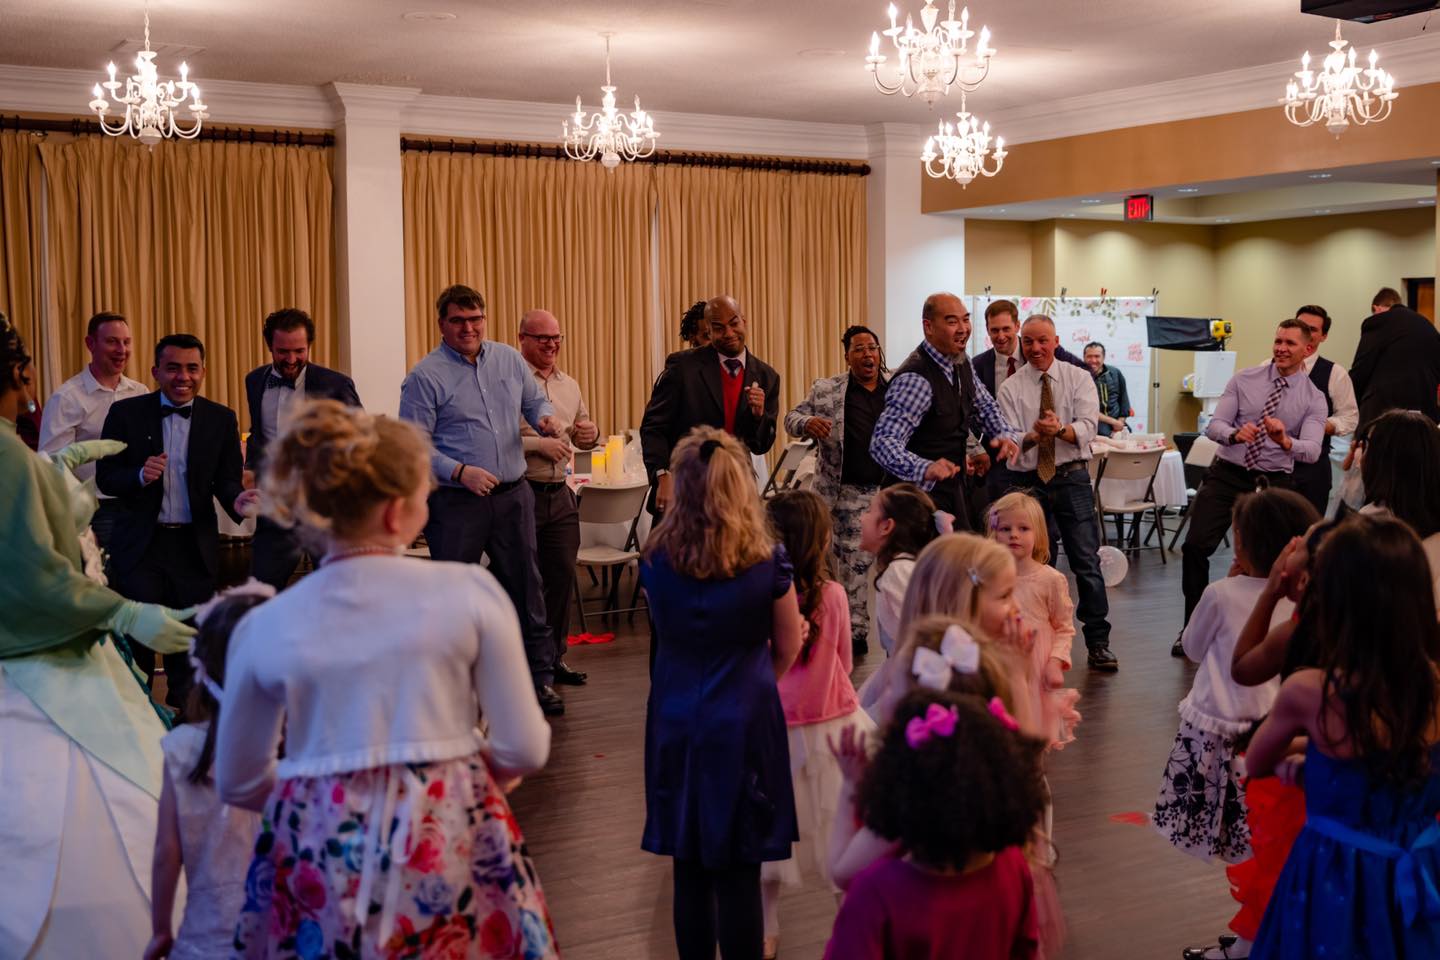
<point>1342,412</point>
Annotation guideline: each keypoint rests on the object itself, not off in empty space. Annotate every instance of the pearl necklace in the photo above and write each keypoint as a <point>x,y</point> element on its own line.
<point>346,554</point>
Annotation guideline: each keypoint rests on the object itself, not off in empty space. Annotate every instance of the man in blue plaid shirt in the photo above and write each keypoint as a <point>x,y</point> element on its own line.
<point>933,402</point>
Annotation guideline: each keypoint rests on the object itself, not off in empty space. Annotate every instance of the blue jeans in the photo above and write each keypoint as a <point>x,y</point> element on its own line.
<point>1069,503</point>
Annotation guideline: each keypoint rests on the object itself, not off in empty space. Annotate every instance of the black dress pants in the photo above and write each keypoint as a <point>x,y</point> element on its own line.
<point>275,552</point>
<point>463,527</point>
<point>1210,518</point>
<point>1313,482</point>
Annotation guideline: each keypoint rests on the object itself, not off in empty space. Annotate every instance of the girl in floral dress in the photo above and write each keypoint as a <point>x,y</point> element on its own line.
<point>385,831</point>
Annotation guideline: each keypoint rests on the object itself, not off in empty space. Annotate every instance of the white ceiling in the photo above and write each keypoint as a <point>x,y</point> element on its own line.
<point>796,60</point>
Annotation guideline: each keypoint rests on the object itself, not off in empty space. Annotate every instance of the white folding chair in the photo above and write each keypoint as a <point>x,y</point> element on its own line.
<point>1197,464</point>
<point>602,505</point>
<point>1131,466</point>
<point>787,467</point>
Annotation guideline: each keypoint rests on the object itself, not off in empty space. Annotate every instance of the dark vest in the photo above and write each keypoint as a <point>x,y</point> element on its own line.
<point>943,429</point>
<point>1320,376</point>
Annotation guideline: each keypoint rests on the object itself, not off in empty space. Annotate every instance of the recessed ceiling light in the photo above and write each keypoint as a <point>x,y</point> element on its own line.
<point>427,16</point>
<point>1326,210</point>
<point>1095,200</point>
<point>1188,190</point>
<point>1321,176</point>
<point>1426,203</point>
<point>1435,163</point>
<point>1001,210</point>
<point>821,53</point>
<point>1069,214</point>
<point>1222,219</point>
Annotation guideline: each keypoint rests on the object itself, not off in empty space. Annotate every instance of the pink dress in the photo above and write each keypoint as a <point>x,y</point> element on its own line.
<point>1043,596</point>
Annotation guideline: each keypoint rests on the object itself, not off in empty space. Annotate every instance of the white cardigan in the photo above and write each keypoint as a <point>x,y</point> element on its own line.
<point>1217,704</point>
<point>370,661</point>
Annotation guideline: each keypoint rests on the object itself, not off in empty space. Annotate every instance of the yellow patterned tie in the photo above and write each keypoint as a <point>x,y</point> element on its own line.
<point>1046,445</point>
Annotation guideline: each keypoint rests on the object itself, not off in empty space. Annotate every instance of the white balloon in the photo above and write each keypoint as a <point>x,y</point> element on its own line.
<point>1113,566</point>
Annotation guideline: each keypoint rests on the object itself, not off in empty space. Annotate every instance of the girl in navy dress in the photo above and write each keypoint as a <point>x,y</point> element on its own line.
<point>1361,879</point>
<point>718,795</point>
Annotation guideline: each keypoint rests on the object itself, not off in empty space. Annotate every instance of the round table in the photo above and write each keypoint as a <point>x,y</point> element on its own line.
<point>1169,483</point>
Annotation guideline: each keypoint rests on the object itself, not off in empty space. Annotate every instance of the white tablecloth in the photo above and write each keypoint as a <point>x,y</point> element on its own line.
<point>1169,484</point>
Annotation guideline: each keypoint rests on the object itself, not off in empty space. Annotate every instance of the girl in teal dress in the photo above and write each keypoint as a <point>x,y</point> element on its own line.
<point>1361,879</point>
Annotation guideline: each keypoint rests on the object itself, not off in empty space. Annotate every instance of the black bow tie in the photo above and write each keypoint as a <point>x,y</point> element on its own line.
<point>275,380</point>
<point>179,411</point>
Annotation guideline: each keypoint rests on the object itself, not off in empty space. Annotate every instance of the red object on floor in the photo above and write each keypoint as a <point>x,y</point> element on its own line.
<point>1135,819</point>
<point>576,640</point>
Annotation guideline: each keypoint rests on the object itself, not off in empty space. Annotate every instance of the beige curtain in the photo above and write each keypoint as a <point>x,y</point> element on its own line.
<point>571,238</point>
<point>203,238</point>
<point>20,242</point>
<point>790,247</point>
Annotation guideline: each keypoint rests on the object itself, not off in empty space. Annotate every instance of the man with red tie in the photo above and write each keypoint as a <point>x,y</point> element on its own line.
<point>719,385</point>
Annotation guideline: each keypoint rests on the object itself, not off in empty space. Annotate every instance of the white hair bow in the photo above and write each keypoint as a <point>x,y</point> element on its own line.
<point>958,653</point>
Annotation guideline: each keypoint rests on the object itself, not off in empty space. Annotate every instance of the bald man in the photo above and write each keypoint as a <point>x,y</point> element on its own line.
<point>720,385</point>
<point>557,515</point>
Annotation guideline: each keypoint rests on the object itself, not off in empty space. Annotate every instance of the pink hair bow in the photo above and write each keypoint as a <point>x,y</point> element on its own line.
<point>998,711</point>
<point>938,722</point>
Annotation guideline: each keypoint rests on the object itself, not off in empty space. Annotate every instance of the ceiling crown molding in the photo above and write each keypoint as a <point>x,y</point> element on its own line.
<point>1413,61</point>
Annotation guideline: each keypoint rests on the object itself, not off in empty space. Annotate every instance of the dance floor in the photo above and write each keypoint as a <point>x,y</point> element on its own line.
<point>1125,891</point>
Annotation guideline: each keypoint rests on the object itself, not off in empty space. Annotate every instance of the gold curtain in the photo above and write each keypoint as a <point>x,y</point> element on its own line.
<point>204,238</point>
<point>790,247</point>
<point>571,238</point>
<point>20,243</point>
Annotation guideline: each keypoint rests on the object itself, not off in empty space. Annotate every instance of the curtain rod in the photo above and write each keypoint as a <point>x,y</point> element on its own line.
<point>78,126</point>
<point>844,168</point>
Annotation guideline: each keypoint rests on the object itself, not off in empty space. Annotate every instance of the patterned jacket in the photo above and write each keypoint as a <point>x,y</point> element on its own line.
<point>826,399</point>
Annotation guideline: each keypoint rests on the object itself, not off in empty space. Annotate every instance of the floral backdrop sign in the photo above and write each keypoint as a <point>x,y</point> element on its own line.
<point>1117,322</point>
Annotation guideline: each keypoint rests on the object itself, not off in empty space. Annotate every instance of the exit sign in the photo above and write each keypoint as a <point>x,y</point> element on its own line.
<point>1140,207</point>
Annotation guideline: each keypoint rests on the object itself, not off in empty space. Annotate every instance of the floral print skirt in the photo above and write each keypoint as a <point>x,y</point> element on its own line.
<point>405,861</point>
<point>1201,807</point>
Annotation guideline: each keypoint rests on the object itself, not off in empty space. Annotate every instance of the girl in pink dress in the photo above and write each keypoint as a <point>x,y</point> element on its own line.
<point>1017,522</point>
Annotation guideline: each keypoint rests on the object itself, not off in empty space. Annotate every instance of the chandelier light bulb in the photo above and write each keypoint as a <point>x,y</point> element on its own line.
<point>932,59</point>
<point>1340,93</point>
<point>609,134</point>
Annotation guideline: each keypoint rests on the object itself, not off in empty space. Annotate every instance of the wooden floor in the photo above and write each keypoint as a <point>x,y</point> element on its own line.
<point>1125,891</point>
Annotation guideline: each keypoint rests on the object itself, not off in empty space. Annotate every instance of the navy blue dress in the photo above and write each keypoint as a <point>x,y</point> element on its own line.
<point>717,761</point>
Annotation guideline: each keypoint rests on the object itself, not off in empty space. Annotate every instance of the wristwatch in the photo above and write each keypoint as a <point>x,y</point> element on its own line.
<point>1230,442</point>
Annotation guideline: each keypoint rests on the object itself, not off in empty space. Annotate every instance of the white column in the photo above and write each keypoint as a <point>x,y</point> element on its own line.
<point>911,254</point>
<point>369,239</point>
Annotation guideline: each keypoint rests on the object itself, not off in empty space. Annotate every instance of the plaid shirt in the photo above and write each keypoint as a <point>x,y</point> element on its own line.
<point>906,402</point>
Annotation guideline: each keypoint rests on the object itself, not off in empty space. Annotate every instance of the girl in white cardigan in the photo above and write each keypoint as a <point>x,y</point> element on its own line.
<point>384,829</point>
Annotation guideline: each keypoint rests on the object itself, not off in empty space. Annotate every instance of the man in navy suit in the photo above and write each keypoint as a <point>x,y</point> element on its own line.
<point>274,392</point>
<point>182,453</point>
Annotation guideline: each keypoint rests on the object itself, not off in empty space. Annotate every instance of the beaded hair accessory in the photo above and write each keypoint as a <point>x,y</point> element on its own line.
<point>975,577</point>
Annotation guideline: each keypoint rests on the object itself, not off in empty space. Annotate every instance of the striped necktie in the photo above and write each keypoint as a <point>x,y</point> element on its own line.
<point>1272,403</point>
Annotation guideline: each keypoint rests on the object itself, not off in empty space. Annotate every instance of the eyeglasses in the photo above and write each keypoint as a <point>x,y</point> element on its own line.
<point>546,340</point>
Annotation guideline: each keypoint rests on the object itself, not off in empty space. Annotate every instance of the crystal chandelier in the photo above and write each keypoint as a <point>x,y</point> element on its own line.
<point>151,106</point>
<point>931,59</point>
<point>959,151</point>
<point>609,134</point>
<point>1341,93</point>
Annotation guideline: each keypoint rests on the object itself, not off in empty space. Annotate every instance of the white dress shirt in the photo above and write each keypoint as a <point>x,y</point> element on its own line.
<point>76,411</point>
<point>1342,393</point>
<point>1216,702</point>
<point>175,504</point>
<point>1002,366</point>
<point>278,404</point>
<point>1077,404</point>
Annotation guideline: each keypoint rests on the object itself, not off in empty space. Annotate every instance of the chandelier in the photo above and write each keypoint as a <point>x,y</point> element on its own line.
<point>1341,93</point>
<point>151,106</point>
<point>609,134</point>
<point>959,151</point>
<point>931,60</point>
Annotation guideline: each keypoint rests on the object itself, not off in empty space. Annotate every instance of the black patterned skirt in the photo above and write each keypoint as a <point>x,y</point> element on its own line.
<point>1201,807</point>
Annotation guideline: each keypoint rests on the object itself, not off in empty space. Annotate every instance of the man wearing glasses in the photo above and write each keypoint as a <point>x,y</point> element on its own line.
<point>557,515</point>
<point>468,395</point>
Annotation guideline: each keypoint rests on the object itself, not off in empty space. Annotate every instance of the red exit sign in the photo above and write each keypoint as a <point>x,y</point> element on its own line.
<point>1140,207</point>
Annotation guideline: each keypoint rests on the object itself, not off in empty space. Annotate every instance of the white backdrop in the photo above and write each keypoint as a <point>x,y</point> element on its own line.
<point>1117,322</point>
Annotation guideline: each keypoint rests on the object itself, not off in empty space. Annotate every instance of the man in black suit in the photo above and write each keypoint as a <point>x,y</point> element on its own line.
<point>274,392</point>
<point>720,385</point>
<point>1397,362</point>
<point>181,453</point>
<point>1002,323</point>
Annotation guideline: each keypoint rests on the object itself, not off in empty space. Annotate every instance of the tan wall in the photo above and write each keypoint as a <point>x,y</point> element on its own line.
<point>1252,274</point>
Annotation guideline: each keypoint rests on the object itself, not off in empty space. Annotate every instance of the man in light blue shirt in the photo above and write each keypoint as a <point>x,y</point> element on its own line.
<point>469,395</point>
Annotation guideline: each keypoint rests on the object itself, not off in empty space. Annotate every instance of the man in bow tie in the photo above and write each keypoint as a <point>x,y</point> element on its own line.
<point>182,453</point>
<point>274,392</point>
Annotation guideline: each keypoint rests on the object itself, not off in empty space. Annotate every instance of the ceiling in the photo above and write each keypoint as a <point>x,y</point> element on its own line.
<point>799,60</point>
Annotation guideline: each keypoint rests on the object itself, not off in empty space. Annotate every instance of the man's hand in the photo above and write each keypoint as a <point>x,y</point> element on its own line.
<point>154,468</point>
<point>554,449</point>
<point>248,503</point>
<point>1005,449</point>
<point>977,464</point>
<point>1247,433</point>
<point>478,480</point>
<point>1048,425</point>
<point>941,469</point>
<point>585,433</point>
<point>756,398</point>
<point>1276,431</point>
<point>664,490</point>
<point>818,427</point>
<point>548,426</point>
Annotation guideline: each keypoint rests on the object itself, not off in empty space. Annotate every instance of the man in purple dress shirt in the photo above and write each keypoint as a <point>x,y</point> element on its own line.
<point>1269,418</point>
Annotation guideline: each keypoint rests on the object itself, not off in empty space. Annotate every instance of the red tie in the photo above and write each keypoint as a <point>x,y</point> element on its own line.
<point>1010,367</point>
